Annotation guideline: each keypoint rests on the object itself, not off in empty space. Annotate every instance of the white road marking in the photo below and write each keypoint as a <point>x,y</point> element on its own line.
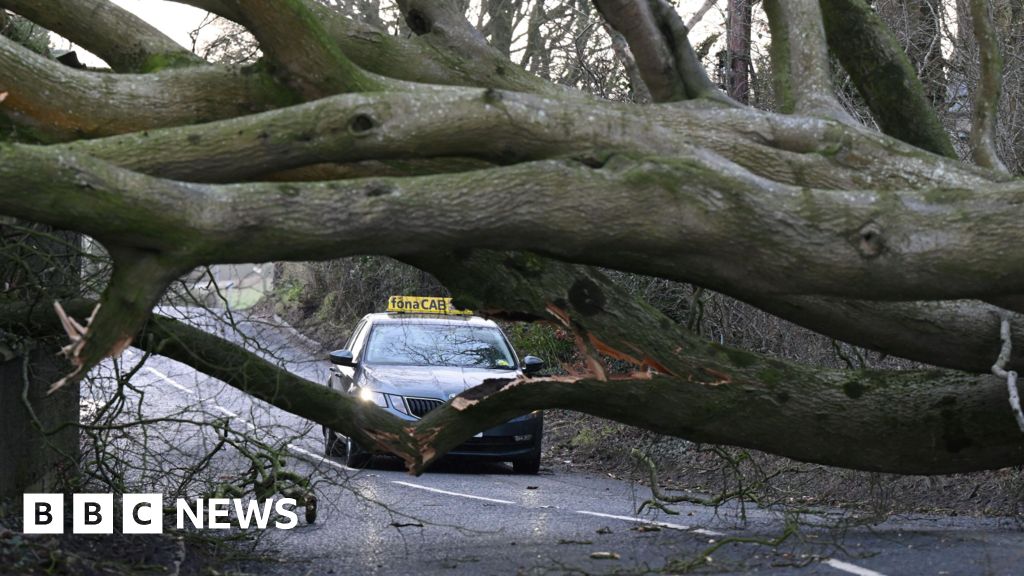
<point>249,424</point>
<point>460,494</point>
<point>227,412</point>
<point>652,522</point>
<point>170,381</point>
<point>320,458</point>
<point>851,568</point>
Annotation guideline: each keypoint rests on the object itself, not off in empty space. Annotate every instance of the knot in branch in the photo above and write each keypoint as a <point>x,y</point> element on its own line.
<point>418,22</point>
<point>869,240</point>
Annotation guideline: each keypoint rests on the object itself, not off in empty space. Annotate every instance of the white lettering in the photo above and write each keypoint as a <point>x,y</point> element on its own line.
<point>253,511</point>
<point>218,508</point>
<point>293,518</point>
<point>194,516</point>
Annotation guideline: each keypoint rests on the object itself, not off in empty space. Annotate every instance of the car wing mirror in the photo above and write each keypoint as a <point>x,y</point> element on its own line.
<point>532,365</point>
<point>342,358</point>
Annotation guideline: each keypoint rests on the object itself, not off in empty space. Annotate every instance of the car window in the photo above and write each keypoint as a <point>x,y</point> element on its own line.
<point>352,338</point>
<point>412,344</point>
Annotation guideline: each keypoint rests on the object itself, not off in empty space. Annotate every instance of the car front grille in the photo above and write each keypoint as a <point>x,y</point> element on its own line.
<point>419,407</point>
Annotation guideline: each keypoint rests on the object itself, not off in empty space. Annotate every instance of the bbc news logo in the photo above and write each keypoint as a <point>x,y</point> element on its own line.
<point>144,513</point>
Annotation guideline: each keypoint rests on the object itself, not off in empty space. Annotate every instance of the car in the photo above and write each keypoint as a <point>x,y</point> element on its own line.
<point>419,355</point>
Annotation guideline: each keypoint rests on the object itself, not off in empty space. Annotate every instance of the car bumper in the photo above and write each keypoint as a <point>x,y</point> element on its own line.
<point>501,443</point>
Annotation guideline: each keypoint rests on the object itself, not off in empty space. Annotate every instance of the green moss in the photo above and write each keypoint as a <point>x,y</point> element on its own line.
<point>741,358</point>
<point>770,376</point>
<point>835,141</point>
<point>947,195</point>
<point>854,389</point>
<point>541,340</point>
<point>652,176</point>
<point>584,438</point>
<point>167,60</point>
<point>528,264</point>
<point>290,293</point>
<point>325,312</point>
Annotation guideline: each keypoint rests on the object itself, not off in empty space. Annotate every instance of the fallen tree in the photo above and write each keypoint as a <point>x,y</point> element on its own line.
<point>439,151</point>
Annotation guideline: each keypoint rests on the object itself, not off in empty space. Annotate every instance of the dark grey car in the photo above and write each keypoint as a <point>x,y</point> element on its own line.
<point>410,364</point>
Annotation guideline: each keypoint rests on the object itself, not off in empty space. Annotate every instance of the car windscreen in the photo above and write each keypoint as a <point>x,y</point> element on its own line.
<point>457,345</point>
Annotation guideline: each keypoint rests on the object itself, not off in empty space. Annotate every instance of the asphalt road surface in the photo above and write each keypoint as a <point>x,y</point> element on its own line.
<point>479,518</point>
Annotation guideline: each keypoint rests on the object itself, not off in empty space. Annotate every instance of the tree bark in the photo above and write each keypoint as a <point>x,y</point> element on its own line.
<point>825,222</point>
<point>738,43</point>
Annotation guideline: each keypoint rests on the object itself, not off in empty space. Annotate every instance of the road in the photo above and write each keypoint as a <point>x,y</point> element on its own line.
<point>479,518</point>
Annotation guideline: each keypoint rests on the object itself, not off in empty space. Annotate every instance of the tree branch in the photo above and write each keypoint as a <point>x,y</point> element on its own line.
<point>957,334</point>
<point>506,127</point>
<point>986,100</point>
<point>800,54</point>
<point>499,127</point>
<point>305,57</point>
<point>245,371</point>
<point>657,38</point>
<point>138,282</point>
<point>716,225</point>
<point>906,422</point>
<point>927,422</point>
<point>122,39</point>
<point>418,59</point>
<point>884,75</point>
<point>56,102</point>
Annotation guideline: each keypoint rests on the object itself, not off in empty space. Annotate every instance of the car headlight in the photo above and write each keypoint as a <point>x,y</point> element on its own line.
<point>367,395</point>
<point>398,403</point>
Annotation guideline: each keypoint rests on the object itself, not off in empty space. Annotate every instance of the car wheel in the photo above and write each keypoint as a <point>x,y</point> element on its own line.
<point>333,446</point>
<point>355,456</point>
<point>529,465</point>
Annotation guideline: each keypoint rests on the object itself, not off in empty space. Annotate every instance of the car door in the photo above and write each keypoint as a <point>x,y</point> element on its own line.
<point>343,377</point>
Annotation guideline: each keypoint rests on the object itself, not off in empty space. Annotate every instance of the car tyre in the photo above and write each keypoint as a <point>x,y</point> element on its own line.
<point>355,456</point>
<point>333,445</point>
<point>527,466</point>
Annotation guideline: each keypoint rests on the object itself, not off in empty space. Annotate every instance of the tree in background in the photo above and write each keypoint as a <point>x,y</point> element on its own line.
<point>738,25</point>
<point>431,145</point>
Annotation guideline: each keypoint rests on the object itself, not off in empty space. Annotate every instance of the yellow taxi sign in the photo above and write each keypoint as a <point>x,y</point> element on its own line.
<point>424,305</point>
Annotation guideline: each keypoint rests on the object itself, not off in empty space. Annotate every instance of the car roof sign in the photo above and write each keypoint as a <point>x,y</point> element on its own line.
<point>424,305</point>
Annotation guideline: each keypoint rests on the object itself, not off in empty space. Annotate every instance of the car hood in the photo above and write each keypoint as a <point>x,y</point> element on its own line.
<point>428,381</point>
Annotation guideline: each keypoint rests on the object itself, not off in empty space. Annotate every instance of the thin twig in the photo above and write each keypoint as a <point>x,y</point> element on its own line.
<point>999,369</point>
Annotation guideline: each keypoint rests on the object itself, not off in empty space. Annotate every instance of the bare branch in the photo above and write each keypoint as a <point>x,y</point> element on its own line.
<point>800,55</point>
<point>443,27</point>
<point>244,370</point>
<point>986,100</point>
<point>427,58</point>
<point>689,387</point>
<point>444,19</point>
<point>699,14</point>
<point>57,102</point>
<point>870,246</point>
<point>122,39</point>
<point>883,75</point>
<point>138,281</point>
<point>699,390</point>
<point>503,127</point>
<point>658,40</point>
<point>295,40</point>
<point>499,127</point>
